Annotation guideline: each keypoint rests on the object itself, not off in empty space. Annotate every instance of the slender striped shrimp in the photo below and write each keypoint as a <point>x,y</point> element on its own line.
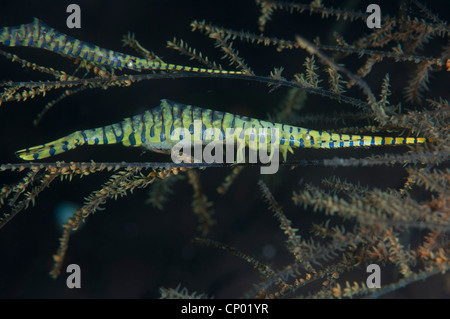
<point>159,129</point>
<point>39,35</point>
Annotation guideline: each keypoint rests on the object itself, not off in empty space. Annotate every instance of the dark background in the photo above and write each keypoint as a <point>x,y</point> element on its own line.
<point>131,249</point>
